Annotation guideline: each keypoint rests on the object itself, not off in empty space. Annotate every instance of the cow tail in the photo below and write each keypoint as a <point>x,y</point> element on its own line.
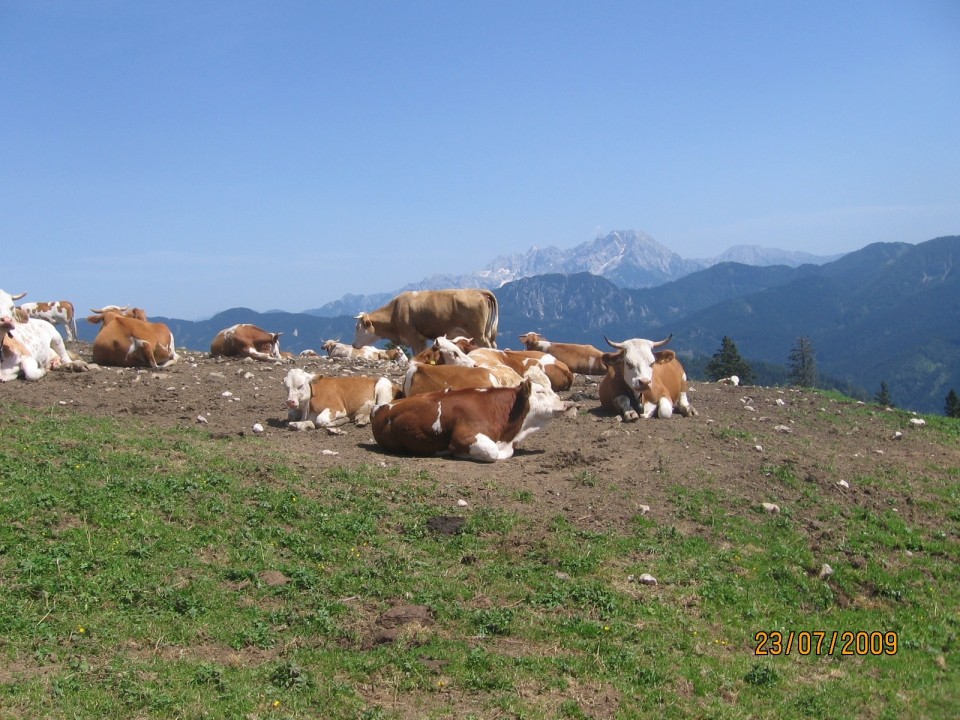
<point>493,318</point>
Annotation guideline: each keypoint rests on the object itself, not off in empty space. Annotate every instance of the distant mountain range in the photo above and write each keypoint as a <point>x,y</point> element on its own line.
<point>627,258</point>
<point>888,312</point>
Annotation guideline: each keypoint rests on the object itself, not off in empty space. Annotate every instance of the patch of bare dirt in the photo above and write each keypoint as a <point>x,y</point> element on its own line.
<point>589,467</point>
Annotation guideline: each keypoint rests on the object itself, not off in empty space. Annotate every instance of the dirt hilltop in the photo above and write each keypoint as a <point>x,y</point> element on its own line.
<point>587,466</point>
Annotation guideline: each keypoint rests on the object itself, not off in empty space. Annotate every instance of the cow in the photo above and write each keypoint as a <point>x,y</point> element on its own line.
<point>126,340</point>
<point>30,347</point>
<point>424,377</point>
<point>314,401</point>
<point>475,424</point>
<point>640,379</point>
<point>584,359</point>
<point>367,352</point>
<point>245,340</point>
<point>507,367</point>
<point>416,317</point>
<point>58,312</point>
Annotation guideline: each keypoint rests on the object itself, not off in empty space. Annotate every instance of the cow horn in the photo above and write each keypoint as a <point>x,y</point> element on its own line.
<point>663,342</point>
<point>17,297</point>
<point>619,346</point>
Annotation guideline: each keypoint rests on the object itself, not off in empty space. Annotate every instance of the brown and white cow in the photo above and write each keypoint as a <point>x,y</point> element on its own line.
<point>367,352</point>
<point>30,347</point>
<point>476,424</point>
<point>126,340</point>
<point>245,340</point>
<point>423,377</point>
<point>58,312</point>
<point>314,401</point>
<point>584,359</point>
<point>640,379</point>
<point>416,317</point>
<point>507,367</point>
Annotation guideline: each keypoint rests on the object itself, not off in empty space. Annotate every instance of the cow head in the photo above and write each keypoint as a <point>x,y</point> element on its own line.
<point>365,332</point>
<point>635,359</point>
<point>8,311</point>
<point>297,382</point>
<point>451,354</point>
<point>530,340</point>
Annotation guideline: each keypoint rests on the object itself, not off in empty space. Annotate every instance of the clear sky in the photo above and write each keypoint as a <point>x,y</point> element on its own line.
<point>188,157</point>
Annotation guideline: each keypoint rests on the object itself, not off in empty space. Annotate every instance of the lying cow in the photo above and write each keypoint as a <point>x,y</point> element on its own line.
<point>475,424</point>
<point>414,318</point>
<point>367,352</point>
<point>58,312</point>
<point>424,378</point>
<point>314,401</point>
<point>126,340</point>
<point>507,367</point>
<point>638,379</point>
<point>30,347</point>
<point>584,359</point>
<point>245,340</point>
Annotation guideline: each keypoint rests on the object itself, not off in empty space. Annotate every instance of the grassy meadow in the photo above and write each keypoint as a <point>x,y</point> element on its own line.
<point>152,574</point>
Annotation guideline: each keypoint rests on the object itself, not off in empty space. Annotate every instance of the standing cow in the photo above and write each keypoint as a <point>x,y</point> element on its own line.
<point>416,317</point>
<point>58,312</point>
<point>639,379</point>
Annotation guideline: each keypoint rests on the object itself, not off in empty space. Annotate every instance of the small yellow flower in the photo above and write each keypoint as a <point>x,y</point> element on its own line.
<point>606,628</point>
<point>276,703</point>
<point>81,629</point>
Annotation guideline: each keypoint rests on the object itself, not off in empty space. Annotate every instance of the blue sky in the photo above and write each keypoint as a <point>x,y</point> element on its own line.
<point>188,157</point>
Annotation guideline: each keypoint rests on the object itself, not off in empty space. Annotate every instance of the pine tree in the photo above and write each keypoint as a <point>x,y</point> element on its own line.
<point>883,397</point>
<point>952,407</point>
<point>727,361</point>
<point>802,364</point>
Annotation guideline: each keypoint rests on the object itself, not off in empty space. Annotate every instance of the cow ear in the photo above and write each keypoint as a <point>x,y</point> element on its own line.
<point>614,358</point>
<point>20,315</point>
<point>665,356</point>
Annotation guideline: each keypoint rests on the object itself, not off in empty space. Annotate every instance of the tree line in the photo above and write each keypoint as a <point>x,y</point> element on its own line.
<point>801,371</point>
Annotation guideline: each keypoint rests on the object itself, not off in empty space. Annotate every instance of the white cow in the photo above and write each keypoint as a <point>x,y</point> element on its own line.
<point>30,347</point>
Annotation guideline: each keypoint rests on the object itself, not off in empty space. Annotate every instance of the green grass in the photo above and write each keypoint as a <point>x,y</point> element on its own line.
<point>135,582</point>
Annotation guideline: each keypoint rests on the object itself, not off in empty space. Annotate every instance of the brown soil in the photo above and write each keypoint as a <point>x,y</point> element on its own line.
<point>588,466</point>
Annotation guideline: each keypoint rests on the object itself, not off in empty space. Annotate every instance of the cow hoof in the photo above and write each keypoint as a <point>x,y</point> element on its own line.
<point>631,416</point>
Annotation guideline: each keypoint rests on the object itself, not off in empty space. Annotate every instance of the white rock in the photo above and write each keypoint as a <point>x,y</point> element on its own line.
<point>770,508</point>
<point>783,429</point>
<point>781,402</point>
<point>462,503</point>
<point>257,428</point>
<point>918,422</point>
<point>647,579</point>
<point>843,483</point>
<point>226,393</point>
<point>201,419</point>
<point>897,435</point>
<point>825,571</point>
<point>758,448</point>
<point>248,376</point>
<point>644,509</point>
<point>334,452</point>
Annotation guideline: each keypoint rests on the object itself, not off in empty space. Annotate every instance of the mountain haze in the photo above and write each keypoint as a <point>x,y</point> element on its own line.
<point>627,258</point>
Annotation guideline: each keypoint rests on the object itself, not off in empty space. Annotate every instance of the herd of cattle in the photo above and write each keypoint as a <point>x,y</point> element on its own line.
<point>460,396</point>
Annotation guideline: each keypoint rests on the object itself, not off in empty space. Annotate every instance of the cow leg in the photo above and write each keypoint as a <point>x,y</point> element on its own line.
<point>257,355</point>
<point>31,368</point>
<point>330,418</point>
<point>665,408</point>
<point>684,407</point>
<point>649,410</point>
<point>301,425</point>
<point>626,408</point>
<point>474,446</point>
<point>56,342</point>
